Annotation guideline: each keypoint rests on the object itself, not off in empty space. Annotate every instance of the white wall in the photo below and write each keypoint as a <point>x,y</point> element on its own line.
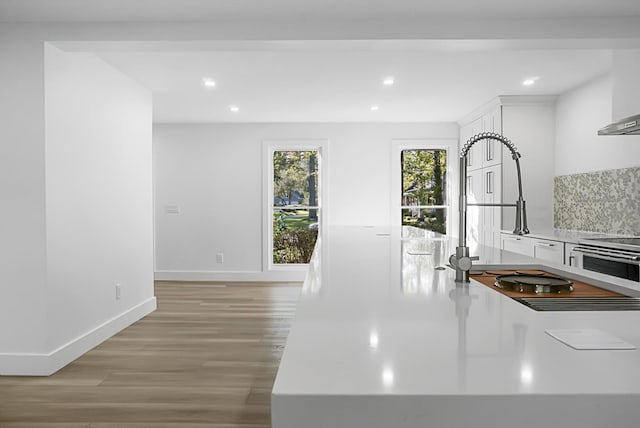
<point>22,217</point>
<point>579,115</point>
<point>77,177</point>
<point>214,174</point>
<point>626,91</point>
<point>531,127</point>
<point>98,194</point>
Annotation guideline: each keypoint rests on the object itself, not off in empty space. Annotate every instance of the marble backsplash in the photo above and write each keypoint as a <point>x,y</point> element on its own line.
<point>604,201</point>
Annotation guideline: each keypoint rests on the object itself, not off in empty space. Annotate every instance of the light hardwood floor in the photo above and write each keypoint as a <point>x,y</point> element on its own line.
<point>207,357</point>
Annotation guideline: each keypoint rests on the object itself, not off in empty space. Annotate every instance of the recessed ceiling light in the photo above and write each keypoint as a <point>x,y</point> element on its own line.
<point>208,83</point>
<point>234,108</point>
<point>530,81</point>
<point>374,107</point>
<point>388,81</point>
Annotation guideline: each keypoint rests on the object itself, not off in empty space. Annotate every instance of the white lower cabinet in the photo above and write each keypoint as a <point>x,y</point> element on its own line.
<point>541,249</point>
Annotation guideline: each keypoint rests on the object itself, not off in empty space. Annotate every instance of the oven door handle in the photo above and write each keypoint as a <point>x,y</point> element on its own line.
<point>609,255</point>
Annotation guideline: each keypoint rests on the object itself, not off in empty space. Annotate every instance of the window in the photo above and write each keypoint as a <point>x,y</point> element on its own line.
<point>294,210</point>
<point>295,206</point>
<point>421,187</point>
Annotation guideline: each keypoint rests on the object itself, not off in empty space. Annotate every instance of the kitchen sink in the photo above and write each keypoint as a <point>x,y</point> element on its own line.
<point>581,296</point>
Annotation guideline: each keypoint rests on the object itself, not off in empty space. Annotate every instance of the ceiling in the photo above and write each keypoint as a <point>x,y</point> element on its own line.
<point>440,79</point>
<point>217,10</point>
<point>341,85</point>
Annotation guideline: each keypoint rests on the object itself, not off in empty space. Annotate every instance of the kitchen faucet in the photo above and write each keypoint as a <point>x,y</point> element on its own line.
<point>461,260</point>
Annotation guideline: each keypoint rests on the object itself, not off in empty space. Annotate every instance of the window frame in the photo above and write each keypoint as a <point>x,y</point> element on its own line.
<point>451,148</point>
<point>269,148</point>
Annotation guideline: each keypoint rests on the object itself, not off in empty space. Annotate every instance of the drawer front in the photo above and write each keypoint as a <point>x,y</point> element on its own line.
<point>517,244</point>
<point>552,251</point>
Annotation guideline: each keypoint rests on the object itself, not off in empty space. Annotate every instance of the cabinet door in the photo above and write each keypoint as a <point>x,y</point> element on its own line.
<point>492,216</point>
<point>517,244</point>
<point>492,149</point>
<point>475,215</point>
<point>552,251</point>
<point>474,158</point>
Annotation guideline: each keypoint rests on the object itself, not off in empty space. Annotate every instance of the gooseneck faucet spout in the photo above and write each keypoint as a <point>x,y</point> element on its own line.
<point>461,260</point>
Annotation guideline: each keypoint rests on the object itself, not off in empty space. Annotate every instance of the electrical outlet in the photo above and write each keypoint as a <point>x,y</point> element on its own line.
<point>118,291</point>
<point>220,258</point>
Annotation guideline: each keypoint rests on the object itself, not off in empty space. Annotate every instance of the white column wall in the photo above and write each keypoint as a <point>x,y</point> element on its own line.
<point>98,194</point>
<point>23,308</point>
<point>214,174</point>
<point>59,260</point>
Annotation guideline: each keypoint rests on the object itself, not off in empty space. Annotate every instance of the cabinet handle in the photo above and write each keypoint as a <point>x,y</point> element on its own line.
<point>489,151</point>
<point>544,244</point>
<point>489,182</point>
<point>571,259</point>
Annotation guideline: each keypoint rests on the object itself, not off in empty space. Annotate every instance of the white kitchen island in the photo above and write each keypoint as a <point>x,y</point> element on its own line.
<point>383,339</point>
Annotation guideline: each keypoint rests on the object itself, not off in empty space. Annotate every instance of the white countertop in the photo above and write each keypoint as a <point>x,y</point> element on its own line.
<point>377,321</point>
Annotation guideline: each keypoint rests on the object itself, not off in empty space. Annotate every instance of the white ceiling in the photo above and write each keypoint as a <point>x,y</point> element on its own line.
<point>201,10</point>
<point>338,81</point>
<point>340,85</point>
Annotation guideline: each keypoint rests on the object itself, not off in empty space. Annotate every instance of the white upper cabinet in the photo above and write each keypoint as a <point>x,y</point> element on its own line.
<point>529,123</point>
<point>485,152</point>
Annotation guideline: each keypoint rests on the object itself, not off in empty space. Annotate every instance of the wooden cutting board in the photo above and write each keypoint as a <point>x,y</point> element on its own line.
<point>580,289</point>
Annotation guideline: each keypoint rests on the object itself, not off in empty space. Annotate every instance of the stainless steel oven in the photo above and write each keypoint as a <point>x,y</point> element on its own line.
<point>619,257</point>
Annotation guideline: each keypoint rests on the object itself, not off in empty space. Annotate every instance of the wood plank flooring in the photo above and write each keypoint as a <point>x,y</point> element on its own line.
<point>207,357</point>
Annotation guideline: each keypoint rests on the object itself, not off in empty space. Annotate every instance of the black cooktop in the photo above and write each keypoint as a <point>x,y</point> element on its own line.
<point>626,241</point>
<point>630,243</point>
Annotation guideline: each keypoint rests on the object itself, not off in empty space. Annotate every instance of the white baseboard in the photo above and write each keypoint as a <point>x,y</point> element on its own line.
<point>275,275</point>
<point>46,364</point>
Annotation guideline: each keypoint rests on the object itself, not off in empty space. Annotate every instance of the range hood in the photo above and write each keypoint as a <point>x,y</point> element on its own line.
<point>627,126</point>
<point>625,92</point>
